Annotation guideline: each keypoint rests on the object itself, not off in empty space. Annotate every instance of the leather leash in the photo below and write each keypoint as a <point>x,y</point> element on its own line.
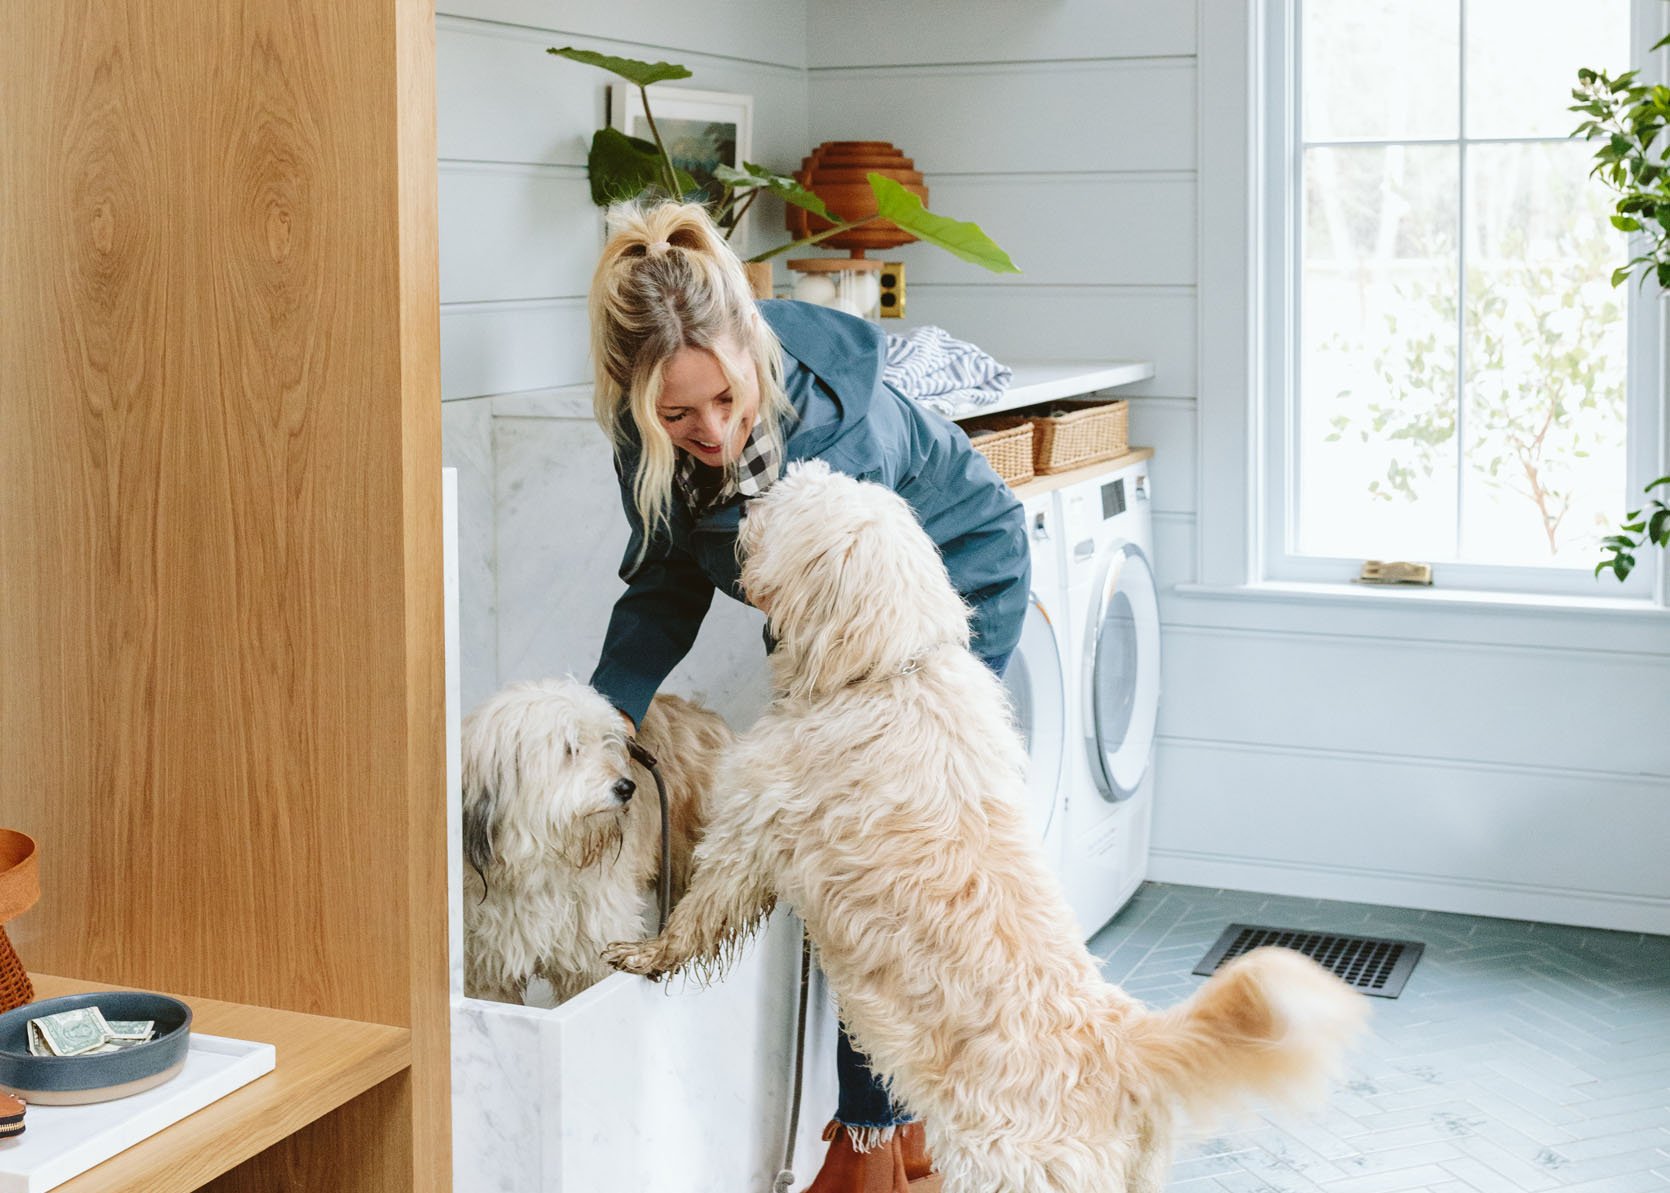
<point>664,880</point>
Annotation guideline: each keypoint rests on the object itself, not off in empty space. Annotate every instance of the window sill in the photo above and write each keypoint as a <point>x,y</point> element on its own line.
<point>1417,597</point>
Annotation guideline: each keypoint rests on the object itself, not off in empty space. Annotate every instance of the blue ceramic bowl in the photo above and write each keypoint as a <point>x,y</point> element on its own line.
<point>65,1080</point>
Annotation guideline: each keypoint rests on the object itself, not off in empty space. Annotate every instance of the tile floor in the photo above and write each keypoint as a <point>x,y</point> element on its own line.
<point>1520,1056</point>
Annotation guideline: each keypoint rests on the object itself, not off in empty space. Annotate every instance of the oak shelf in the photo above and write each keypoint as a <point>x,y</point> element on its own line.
<point>322,1063</point>
<point>1060,480</point>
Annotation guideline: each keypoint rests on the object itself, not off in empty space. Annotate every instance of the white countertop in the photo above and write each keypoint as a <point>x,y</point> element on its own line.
<point>1035,381</point>
<point>1038,381</point>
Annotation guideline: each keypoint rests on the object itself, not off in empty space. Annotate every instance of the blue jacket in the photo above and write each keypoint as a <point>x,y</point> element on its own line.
<point>858,425</point>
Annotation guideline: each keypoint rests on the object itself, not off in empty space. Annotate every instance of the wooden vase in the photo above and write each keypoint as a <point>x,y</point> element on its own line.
<point>759,277</point>
<point>838,173</point>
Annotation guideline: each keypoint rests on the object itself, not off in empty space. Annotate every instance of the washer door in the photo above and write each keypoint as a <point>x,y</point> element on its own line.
<point>1122,673</point>
<point>1037,689</point>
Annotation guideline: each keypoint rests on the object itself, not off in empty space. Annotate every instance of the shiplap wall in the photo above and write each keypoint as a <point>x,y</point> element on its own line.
<point>1494,760</point>
<point>540,524</point>
<point>1501,761</point>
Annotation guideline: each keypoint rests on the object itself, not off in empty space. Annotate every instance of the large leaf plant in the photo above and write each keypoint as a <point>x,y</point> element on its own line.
<point>1628,117</point>
<point>622,167</point>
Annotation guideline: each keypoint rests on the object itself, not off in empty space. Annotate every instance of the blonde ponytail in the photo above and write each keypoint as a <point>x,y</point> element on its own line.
<point>666,281</point>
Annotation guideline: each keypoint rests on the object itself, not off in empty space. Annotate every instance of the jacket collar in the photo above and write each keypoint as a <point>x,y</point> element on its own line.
<point>846,355</point>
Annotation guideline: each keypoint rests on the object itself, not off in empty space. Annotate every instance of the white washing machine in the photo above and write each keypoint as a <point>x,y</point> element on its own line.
<point>1113,679</point>
<point>1037,678</point>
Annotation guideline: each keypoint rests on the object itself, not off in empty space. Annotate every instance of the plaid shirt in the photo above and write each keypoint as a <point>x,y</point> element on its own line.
<point>702,487</point>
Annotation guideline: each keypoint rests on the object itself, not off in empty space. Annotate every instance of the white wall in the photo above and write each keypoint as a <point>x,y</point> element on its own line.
<point>1066,131</point>
<point>1508,761</point>
<point>1463,757</point>
<point>541,527</point>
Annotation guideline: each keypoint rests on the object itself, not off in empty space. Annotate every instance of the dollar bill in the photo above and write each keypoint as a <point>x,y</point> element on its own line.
<point>37,1042</point>
<point>73,1033</point>
<point>137,1030</point>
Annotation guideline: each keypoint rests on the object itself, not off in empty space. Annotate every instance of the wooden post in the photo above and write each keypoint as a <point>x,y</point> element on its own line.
<point>221,697</point>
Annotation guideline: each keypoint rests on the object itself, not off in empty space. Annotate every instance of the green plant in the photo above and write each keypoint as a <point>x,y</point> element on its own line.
<point>1649,524</point>
<point>623,167</point>
<point>1630,116</point>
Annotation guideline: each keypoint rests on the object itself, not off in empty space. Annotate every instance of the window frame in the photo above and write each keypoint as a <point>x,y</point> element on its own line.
<point>1274,180</point>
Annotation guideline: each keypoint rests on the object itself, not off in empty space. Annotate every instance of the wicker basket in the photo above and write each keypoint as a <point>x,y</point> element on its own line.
<point>1006,442</point>
<point>15,988</point>
<point>19,889</point>
<point>1069,435</point>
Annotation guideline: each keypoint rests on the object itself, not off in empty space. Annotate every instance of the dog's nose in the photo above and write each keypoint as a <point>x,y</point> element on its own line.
<point>624,789</point>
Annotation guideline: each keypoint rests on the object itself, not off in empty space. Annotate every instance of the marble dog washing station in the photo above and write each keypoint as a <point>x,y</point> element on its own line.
<point>630,1084</point>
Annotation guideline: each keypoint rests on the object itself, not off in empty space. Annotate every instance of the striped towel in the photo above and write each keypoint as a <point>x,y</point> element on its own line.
<point>944,374</point>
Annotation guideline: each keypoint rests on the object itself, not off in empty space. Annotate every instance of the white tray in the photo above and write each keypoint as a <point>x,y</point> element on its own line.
<point>59,1142</point>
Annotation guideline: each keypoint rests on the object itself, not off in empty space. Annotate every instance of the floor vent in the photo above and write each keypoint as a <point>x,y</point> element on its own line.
<point>1373,966</point>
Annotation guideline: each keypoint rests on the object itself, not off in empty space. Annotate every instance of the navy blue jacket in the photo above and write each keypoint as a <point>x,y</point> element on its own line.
<point>858,425</point>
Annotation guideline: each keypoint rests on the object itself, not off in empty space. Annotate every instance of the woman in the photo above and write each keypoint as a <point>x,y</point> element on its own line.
<point>706,396</point>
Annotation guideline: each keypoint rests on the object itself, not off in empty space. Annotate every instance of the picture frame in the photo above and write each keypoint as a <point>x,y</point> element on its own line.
<point>700,128</point>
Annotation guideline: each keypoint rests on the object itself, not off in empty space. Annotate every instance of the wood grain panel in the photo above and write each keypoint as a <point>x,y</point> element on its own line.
<point>322,1064</point>
<point>420,1102</point>
<point>220,511</point>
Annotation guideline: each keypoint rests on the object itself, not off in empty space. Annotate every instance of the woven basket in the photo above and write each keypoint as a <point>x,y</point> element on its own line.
<point>1006,442</point>
<point>15,987</point>
<point>19,888</point>
<point>1071,434</point>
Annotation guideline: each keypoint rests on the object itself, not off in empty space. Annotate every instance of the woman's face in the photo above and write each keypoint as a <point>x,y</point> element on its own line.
<point>697,401</point>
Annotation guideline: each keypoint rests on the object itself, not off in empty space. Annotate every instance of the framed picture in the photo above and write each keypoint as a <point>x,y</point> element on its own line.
<point>701,129</point>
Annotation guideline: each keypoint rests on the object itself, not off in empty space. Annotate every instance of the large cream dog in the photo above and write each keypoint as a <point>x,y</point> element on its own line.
<point>880,795</point>
<point>562,832</point>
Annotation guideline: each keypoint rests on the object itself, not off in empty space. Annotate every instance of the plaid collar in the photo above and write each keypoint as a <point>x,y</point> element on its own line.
<point>702,487</point>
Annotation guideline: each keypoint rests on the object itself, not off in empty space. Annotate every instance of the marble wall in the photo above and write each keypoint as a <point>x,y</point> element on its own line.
<point>541,538</point>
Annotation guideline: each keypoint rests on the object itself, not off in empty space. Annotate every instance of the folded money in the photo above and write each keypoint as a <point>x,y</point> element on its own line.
<point>134,1030</point>
<point>86,1032</point>
<point>72,1033</point>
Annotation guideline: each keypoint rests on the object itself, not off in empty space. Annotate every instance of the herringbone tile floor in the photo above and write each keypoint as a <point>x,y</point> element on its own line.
<point>1520,1056</point>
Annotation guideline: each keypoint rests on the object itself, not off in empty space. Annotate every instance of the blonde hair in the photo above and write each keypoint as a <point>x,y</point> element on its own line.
<point>667,281</point>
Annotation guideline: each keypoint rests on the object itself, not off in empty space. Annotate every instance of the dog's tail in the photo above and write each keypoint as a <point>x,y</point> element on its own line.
<point>1271,1024</point>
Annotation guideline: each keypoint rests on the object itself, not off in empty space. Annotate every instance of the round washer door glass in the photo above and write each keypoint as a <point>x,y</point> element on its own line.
<point>1037,689</point>
<point>1123,674</point>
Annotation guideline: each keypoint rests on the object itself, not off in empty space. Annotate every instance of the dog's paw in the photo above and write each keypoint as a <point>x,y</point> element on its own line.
<point>642,957</point>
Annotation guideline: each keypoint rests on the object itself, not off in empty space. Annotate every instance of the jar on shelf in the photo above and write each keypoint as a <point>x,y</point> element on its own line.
<point>850,284</point>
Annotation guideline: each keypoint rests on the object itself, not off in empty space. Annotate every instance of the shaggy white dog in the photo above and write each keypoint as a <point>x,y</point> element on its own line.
<point>881,796</point>
<point>562,831</point>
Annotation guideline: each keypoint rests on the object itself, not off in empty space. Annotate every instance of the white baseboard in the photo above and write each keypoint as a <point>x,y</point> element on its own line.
<point>1589,909</point>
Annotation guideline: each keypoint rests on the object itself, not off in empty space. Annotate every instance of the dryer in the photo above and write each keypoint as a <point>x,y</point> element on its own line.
<point>1114,685</point>
<point>1037,678</point>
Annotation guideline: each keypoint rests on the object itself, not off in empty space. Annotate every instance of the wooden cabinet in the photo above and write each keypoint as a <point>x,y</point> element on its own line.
<point>221,668</point>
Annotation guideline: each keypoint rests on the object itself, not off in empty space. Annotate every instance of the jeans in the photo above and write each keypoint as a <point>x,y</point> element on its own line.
<point>863,1100</point>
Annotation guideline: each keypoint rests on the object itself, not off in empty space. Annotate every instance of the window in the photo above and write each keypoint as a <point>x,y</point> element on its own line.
<point>1451,376</point>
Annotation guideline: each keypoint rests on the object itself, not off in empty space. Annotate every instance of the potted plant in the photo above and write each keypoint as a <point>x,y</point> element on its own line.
<point>622,167</point>
<point>1629,116</point>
